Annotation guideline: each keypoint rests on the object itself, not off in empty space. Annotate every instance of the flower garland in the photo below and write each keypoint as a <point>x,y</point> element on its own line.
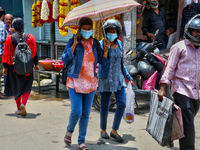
<point>34,23</point>
<point>44,10</point>
<point>55,9</point>
<point>38,8</point>
<point>74,3</point>
<point>63,11</point>
<point>98,34</point>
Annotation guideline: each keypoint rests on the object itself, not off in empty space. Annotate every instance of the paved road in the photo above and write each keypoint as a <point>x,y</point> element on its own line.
<point>45,125</point>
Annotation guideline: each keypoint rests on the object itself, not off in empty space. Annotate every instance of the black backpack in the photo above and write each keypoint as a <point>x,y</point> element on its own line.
<point>23,61</point>
<point>64,74</point>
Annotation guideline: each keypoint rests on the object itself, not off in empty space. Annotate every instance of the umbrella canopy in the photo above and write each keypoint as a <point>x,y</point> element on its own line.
<point>99,10</point>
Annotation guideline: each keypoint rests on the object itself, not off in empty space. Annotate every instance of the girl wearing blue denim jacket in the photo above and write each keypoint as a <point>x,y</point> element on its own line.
<point>82,53</point>
<point>111,78</point>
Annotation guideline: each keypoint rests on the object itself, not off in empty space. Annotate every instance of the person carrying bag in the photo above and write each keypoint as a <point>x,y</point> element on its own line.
<point>159,124</point>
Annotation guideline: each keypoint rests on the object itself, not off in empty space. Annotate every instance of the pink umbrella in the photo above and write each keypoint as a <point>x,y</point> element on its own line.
<point>99,10</point>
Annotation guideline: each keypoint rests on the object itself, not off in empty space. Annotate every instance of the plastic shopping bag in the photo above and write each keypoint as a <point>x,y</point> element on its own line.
<point>130,104</point>
<point>150,83</point>
<point>159,124</point>
<point>177,125</point>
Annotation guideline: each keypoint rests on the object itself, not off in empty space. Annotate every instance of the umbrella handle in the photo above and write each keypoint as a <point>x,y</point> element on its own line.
<point>102,25</point>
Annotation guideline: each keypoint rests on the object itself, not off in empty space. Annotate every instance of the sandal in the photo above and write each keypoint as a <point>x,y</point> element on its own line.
<point>83,147</point>
<point>67,138</point>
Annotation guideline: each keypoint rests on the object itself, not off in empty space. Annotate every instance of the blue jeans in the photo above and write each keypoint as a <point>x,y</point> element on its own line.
<point>162,46</point>
<point>121,104</point>
<point>80,110</point>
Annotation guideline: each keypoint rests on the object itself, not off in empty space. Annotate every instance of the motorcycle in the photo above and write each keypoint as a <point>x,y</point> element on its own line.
<point>146,63</point>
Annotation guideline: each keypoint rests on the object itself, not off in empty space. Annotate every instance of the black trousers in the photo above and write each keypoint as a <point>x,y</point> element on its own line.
<point>189,108</point>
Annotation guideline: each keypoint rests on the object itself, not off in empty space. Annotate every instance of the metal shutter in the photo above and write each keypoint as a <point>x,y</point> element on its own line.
<point>59,38</point>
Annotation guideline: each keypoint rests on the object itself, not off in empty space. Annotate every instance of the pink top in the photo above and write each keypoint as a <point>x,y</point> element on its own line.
<point>86,81</point>
<point>183,69</point>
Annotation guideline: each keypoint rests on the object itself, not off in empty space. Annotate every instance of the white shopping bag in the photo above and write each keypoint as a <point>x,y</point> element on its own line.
<point>130,104</point>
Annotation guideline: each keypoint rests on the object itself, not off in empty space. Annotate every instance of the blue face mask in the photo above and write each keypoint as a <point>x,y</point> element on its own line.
<point>86,34</point>
<point>111,36</point>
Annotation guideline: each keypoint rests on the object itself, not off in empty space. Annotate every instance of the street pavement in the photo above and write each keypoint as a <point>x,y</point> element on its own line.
<point>45,125</point>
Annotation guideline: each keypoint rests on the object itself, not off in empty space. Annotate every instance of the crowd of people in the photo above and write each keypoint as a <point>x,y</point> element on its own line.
<point>83,52</point>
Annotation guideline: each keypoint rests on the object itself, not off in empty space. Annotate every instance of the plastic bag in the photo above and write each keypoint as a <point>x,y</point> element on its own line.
<point>177,125</point>
<point>159,124</point>
<point>149,84</point>
<point>130,104</point>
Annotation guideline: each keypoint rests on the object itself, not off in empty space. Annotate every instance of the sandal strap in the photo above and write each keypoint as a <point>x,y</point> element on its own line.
<point>81,145</point>
<point>68,133</point>
<point>68,140</point>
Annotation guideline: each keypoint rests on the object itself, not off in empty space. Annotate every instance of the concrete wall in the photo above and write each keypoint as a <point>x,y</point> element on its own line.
<point>27,9</point>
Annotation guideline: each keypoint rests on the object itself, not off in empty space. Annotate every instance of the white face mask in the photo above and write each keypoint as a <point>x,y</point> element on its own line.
<point>152,6</point>
<point>188,2</point>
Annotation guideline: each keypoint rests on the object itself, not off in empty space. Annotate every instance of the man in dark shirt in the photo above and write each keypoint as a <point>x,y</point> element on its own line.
<point>8,24</point>
<point>188,12</point>
<point>154,19</point>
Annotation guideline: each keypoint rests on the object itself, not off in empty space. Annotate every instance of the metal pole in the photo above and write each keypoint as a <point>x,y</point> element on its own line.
<point>52,40</point>
<point>133,29</point>
<point>127,41</point>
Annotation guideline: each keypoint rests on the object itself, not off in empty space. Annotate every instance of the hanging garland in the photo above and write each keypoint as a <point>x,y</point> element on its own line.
<point>63,11</point>
<point>74,3</point>
<point>34,23</point>
<point>44,10</point>
<point>48,16</point>
<point>55,9</point>
<point>38,8</point>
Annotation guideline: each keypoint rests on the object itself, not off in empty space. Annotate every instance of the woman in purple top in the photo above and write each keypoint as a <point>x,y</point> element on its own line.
<point>183,72</point>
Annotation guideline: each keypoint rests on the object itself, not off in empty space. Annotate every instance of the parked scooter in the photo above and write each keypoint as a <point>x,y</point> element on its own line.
<point>146,63</point>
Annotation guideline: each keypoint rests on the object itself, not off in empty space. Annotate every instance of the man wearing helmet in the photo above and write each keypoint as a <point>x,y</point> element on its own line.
<point>184,73</point>
<point>188,12</point>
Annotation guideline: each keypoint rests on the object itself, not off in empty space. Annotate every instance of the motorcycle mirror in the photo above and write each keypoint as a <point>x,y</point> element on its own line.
<point>157,31</point>
<point>129,52</point>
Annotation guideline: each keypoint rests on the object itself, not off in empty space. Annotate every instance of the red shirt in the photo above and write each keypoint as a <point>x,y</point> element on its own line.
<point>8,51</point>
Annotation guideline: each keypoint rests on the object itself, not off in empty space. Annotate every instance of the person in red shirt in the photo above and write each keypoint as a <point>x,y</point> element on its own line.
<point>18,86</point>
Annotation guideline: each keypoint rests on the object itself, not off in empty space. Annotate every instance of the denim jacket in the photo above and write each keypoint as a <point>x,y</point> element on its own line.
<point>104,68</point>
<point>75,60</point>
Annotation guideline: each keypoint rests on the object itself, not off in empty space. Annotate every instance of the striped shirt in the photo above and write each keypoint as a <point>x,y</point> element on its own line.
<point>2,36</point>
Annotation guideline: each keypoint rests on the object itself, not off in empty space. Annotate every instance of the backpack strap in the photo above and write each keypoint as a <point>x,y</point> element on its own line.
<point>15,36</point>
<point>25,37</point>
